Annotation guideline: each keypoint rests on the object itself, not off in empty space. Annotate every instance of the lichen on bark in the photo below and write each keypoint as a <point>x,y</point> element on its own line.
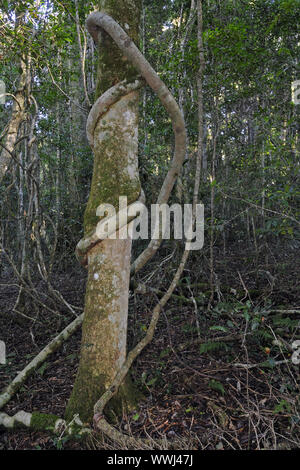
<point>112,65</point>
<point>115,173</point>
<point>104,330</point>
<point>115,159</point>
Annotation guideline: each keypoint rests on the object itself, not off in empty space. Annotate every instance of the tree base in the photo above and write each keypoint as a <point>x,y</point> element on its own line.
<point>126,400</point>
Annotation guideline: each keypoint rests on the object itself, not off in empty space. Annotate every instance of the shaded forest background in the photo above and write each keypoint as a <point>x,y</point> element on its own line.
<point>219,369</point>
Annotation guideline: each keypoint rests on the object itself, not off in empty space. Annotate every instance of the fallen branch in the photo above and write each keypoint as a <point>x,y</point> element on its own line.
<point>43,422</point>
<point>38,360</point>
<point>216,339</point>
<point>287,312</point>
<point>260,364</point>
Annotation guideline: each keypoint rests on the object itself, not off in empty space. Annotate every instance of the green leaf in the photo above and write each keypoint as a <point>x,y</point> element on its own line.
<point>212,346</point>
<point>219,328</point>
<point>152,381</point>
<point>282,407</point>
<point>164,353</point>
<point>42,369</point>
<point>216,385</point>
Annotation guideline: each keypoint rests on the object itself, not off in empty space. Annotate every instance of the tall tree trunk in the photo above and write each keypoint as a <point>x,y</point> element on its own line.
<point>182,88</point>
<point>104,331</point>
<point>200,74</point>
<point>19,105</point>
<point>17,117</point>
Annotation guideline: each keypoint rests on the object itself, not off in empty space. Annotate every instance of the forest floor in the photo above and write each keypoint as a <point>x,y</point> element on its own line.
<point>217,378</point>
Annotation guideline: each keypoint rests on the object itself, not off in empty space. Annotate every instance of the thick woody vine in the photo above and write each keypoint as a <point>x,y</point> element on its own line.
<point>97,23</point>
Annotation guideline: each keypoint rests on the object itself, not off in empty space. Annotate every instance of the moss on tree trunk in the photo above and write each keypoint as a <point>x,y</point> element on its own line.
<point>104,331</point>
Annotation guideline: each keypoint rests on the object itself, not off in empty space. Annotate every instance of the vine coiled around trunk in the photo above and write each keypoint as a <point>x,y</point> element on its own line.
<point>96,23</point>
